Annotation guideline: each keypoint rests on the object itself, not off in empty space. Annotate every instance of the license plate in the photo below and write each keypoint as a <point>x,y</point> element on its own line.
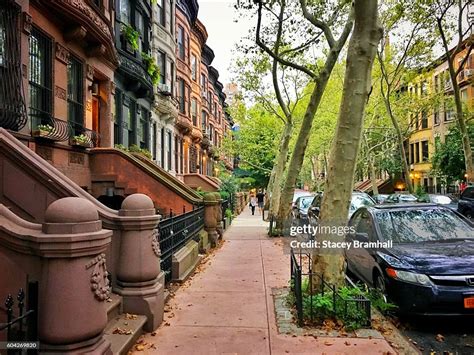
<point>469,302</point>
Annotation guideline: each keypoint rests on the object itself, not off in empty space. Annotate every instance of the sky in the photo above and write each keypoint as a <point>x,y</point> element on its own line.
<point>224,33</point>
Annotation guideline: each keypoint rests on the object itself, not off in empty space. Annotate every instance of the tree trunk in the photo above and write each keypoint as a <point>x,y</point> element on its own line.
<point>373,177</point>
<point>279,168</point>
<point>345,147</point>
<point>401,140</point>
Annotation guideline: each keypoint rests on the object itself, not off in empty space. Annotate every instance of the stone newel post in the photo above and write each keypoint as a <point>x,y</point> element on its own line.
<point>211,218</point>
<point>220,223</point>
<point>74,283</point>
<point>138,268</point>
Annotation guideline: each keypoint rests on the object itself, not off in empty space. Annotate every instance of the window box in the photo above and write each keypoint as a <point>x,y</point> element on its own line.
<point>80,141</point>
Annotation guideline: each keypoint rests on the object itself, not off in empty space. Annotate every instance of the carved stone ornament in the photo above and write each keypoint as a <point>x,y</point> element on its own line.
<point>99,280</point>
<point>155,245</point>
<point>62,53</point>
<point>27,23</point>
<point>90,72</point>
<point>60,93</point>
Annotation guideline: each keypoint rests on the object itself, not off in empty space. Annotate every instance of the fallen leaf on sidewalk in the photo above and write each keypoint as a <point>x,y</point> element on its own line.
<point>328,343</point>
<point>439,337</point>
<point>122,331</point>
<point>347,343</point>
<point>131,316</point>
<point>153,334</point>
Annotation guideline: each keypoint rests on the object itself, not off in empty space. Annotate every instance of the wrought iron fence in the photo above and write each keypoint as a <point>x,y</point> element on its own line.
<point>23,326</point>
<point>176,231</point>
<point>83,136</point>
<point>305,295</point>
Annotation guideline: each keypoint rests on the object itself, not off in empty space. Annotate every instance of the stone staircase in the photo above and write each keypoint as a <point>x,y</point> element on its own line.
<point>122,329</point>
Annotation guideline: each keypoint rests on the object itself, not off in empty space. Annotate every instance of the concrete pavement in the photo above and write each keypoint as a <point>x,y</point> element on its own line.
<point>227,308</point>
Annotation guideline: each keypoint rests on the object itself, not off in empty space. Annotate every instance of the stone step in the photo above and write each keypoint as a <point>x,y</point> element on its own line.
<point>127,329</point>
<point>114,306</point>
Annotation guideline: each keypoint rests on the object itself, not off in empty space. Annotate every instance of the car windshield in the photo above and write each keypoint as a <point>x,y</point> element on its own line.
<point>305,202</point>
<point>440,199</point>
<point>359,201</point>
<point>422,225</point>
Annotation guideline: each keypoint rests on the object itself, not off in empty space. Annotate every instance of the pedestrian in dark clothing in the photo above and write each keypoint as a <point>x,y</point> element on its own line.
<point>261,200</point>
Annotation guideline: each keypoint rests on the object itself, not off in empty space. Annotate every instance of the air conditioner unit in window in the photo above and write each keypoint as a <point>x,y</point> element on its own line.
<point>164,89</point>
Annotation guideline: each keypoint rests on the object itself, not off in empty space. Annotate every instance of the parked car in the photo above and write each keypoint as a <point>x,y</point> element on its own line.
<point>466,202</point>
<point>443,200</point>
<point>358,199</point>
<point>298,193</point>
<point>380,198</point>
<point>429,269</point>
<point>400,198</point>
<point>300,209</point>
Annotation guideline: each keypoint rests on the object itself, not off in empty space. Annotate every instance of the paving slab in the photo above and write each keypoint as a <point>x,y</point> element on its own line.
<point>228,308</point>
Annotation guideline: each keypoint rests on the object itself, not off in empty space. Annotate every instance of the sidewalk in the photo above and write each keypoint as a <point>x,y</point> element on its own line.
<point>228,307</point>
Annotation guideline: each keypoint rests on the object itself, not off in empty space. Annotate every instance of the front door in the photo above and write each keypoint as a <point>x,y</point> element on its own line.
<point>96,118</point>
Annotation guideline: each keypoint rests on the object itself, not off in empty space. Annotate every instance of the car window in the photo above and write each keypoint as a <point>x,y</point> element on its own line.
<point>317,201</point>
<point>468,193</point>
<point>365,225</point>
<point>359,201</point>
<point>306,202</point>
<point>422,225</point>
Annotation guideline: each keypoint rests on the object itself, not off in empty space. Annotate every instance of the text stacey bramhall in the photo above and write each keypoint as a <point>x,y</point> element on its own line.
<point>353,244</point>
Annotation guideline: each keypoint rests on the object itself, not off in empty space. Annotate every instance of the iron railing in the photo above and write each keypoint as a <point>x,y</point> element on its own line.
<point>174,232</point>
<point>12,98</point>
<point>357,308</point>
<point>85,137</point>
<point>43,125</point>
<point>24,326</point>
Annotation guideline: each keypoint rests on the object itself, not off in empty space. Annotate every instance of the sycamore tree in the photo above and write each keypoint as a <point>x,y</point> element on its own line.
<point>256,141</point>
<point>306,36</point>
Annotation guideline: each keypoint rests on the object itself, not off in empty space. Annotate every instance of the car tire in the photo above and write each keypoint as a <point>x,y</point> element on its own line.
<point>379,284</point>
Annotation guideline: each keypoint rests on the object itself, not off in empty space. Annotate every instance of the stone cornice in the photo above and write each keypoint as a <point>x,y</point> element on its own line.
<point>86,16</point>
<point>207,55</point>
<point>199,30</point>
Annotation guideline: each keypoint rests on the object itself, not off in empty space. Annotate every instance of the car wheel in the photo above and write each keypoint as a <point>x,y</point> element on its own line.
<point>379,284</point>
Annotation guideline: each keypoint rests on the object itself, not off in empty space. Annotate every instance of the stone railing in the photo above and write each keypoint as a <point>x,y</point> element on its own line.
<point>66,255</point>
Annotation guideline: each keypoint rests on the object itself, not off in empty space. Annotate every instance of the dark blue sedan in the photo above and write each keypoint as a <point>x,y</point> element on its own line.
<point>429,267</point>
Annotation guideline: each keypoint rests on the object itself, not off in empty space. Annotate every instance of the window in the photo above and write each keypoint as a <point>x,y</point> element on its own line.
<point>40,83</point>
<point>161,63</point>
<point>417,152</point>
<point>424,120</point>
<point>203,82</point>
<point>194,67</point>
<point>143,128</point>
<point>125,11</point>
<point>161,12</point>
<point>181,49</point>
<point>194,111</point>
<point>203,121</point>
<point>176,153</point>
<point>436,115</point>
<point>169,15</point>
<point>169,150</point>
<point>424,151</point>
<point>2,40</point>
<point>154,140</point>
<point>412,154</point>
<point>141,28</point>
<point>163,148</point>
<point>211,132</point>
<point>182,98</point>
<point>75,99</point>
<point>464,95</point>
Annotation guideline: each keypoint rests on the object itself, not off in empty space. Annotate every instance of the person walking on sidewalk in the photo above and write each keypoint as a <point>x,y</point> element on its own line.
<point>261,200</point>
<point>253,204</point>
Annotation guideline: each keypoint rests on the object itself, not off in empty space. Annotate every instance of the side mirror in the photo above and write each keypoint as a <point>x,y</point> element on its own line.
<point>315,210</point>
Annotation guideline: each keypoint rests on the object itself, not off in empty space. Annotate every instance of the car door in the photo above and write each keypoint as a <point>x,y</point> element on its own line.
<point>314,210</point>
<point>466,202</point>
<point>362,259</point>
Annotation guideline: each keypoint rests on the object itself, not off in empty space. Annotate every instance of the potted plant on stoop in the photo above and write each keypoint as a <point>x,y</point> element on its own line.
<point>80,141</point>
<point>42,130</point>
